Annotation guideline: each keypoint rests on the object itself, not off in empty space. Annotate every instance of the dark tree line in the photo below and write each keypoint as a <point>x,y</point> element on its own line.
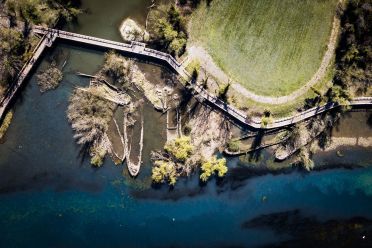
<point>354,53</point>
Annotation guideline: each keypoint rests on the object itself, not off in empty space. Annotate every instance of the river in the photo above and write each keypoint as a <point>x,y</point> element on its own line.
<point>51,197</point>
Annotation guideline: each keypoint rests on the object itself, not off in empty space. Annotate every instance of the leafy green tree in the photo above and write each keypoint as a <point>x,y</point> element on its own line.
<point>339,95</point>
<point>180,148</point>
<point>212,166</point>
<point>164,171</point>
<point>167,28</point>
<point>11,40</point>
<point>177,45</point>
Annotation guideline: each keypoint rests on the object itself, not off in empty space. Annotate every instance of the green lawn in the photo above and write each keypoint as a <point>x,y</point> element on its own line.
<point>272,47</point>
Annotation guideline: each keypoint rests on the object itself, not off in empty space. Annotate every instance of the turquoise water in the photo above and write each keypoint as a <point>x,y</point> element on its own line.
<point>51,197</point>
<point>118,216</point>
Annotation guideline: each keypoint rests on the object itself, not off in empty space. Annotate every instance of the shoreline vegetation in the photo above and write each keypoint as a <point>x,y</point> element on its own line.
<point>17,42</point>
<point>6,123</point>
<point>193,137</point>
<point>50,78</point>
<point>91,113</point>
<point>107,116</point>
<point>351,78</point>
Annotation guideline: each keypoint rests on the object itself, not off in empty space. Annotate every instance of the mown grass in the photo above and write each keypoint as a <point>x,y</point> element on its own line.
<point>286,109</point>
<point>271,47</point>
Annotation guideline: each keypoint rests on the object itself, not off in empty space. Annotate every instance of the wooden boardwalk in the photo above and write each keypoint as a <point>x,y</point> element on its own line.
<point>22,75</point>
<point>140,49</point>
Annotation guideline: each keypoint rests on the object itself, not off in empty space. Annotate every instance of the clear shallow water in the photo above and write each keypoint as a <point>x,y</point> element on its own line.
<point>208,217</point>
<point>51,197</point>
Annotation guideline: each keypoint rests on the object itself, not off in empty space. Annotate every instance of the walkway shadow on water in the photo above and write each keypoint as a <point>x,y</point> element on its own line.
<point>324,137</point>
<point>369,120</point>
<point>256,146</point>
<point>186,97</point>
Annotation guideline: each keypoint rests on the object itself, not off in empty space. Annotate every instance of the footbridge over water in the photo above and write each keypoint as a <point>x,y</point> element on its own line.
<point>49,36</point>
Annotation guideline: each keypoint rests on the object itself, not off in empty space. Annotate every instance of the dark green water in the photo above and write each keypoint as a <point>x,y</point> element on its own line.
<point>51,197</point>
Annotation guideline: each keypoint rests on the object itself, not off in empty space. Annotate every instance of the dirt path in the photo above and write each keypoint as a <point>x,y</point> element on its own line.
<point>206,61</point>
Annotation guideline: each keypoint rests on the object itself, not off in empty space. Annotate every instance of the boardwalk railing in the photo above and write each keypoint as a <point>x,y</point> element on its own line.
<point>23,73</point>
<point>139,48</point>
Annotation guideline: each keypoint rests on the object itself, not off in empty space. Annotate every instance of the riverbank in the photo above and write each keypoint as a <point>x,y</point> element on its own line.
<point>45,182</point>
<point>206,137</point>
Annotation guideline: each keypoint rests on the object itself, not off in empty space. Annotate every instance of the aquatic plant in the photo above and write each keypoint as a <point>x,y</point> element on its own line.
<point>89,116</point>
<point>6,123</point>
<point>50,78</point>
<point>99,154</point>
<point>304,159</point>
<point>233,145</point>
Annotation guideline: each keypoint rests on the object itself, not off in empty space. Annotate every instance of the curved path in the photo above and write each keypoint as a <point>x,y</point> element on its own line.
<point>197,52</point>
<point>320,74</point>
<point>140,49</point>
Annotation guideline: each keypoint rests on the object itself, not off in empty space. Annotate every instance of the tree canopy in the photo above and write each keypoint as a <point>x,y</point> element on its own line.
<point>211,166</point>
<point>180,148</point>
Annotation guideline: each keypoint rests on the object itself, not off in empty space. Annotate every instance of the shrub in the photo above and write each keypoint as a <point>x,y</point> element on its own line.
<point>96,161</point>
<point>266,120</point>
<point>193,67</point>
<point>89,116</point>
<point>11,40</point>
<point>305,160</point>
<point>49,79</point>
<point>187,129</point>
<point>6,123</point>
<point>233,145</point>
<point>222,91</point>
<point>339,95</point>
<point>118,67</point>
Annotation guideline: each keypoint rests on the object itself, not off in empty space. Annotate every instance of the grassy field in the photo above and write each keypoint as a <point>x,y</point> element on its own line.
<point>271,47</point>
<point>255,109</point>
